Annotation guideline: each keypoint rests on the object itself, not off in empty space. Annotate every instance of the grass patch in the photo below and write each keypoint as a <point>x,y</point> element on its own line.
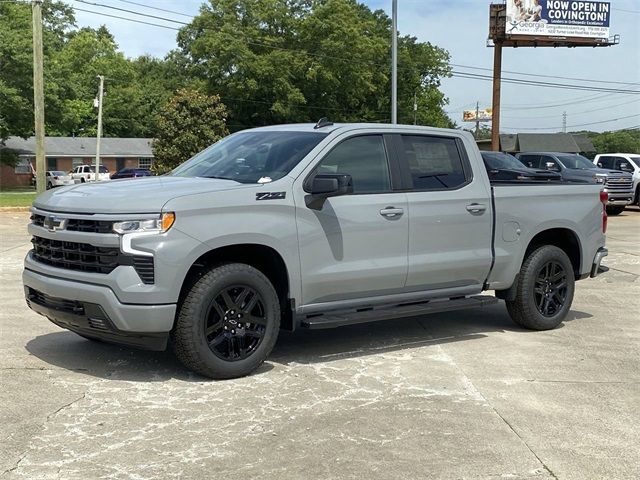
<point>17,199</point>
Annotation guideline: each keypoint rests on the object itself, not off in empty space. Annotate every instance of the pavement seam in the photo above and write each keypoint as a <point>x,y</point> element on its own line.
<point>471,384</point>
<point>622,271</point>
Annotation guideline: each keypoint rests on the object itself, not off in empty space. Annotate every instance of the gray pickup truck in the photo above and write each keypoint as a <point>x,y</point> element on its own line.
<point>306,226</point>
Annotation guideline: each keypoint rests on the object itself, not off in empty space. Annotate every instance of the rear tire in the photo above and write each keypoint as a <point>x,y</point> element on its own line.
<point>228,323</point>
<point>545,289</point>
<point>82,180</point>
<point>49,186</point>
<point>613,211</point>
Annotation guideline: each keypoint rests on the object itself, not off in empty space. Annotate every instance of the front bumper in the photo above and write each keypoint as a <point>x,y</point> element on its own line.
<point>96,312</point>
<point>596,268</point>
<point>619,199</point>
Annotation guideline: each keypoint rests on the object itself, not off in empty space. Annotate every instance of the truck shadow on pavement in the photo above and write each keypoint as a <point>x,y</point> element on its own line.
<point>68,351</point>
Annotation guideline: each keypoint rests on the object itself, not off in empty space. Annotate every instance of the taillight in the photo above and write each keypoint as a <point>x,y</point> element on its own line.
<point>604,199</point>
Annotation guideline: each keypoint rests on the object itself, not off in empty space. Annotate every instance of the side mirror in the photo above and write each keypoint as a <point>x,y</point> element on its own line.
<point>324,186</point>
<point>552,166</point>
<point>599,165</point>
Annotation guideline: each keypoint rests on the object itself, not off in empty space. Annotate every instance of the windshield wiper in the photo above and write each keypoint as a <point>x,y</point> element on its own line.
<point>220,178</point>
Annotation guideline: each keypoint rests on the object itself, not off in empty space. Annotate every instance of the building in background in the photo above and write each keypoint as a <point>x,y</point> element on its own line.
<point>541,142</point>
<point>66,153</point>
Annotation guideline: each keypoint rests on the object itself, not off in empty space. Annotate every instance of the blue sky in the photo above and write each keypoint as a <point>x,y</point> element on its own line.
<point>461,27</point>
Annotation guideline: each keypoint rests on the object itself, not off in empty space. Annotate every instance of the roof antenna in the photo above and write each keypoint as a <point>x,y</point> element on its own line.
<point>323,122</point>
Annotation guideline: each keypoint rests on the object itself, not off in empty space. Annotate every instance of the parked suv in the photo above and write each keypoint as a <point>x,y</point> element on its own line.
<point>625,162</point>
<point>572,167</point>
<point>303,226</point>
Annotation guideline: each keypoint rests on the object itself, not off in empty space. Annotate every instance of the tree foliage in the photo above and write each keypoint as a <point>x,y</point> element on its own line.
<point>186,125</point>
<point>621,141</point>
<point>273,61</point>
<point>269,61</point>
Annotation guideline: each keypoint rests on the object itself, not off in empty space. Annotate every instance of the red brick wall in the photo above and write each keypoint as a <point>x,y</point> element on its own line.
<point>10,179</point>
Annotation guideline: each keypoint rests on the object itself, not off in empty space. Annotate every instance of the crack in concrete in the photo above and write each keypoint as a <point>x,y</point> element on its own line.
<point>81,397</point>
<point>623,271</point>
<point>22,457</point>
<point>470,383</point>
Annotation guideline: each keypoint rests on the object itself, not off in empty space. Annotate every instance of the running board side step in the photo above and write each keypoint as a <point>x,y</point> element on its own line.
<point>342,318</point>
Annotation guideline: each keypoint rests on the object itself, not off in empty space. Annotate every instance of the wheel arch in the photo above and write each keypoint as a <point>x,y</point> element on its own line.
<point>264,258</point>
<point>564,238</point>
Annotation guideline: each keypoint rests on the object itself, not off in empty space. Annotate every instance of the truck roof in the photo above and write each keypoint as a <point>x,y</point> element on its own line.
<point>310,127</point>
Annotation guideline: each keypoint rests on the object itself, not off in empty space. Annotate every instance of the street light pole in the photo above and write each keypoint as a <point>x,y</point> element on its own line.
<point>394,62</point>
<point>99,133</point>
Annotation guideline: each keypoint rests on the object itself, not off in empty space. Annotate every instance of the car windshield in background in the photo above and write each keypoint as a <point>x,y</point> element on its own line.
<point>576,162</point>
<point>251,157</point>
<point>501,161</point>
<point>103,169</point>
<point>635,161</point>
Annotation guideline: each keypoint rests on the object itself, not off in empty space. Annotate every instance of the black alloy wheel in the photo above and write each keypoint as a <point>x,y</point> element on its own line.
<point>236,323</point>
<point>550,288</point>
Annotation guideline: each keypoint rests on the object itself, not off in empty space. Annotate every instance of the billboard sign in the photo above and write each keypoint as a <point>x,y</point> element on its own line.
<point>558,18</point>
<point>477,116</point>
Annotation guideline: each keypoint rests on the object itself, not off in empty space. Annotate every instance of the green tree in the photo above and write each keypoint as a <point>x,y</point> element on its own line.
<point>622,141</point>
<point>275,61</point>
<point>187,124</point>
<point>16,63</point>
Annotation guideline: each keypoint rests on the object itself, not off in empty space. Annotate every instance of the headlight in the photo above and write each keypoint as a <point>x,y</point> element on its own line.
<point>157,225</point>
<point>599,178</point>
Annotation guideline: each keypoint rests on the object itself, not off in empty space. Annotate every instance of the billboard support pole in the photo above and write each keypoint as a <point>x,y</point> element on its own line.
<point>497,80</point>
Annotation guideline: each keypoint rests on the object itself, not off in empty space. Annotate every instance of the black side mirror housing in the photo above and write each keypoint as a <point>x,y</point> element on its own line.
<point>323,186</point>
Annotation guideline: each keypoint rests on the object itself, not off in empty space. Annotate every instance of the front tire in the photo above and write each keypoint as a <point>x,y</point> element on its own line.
<point>49,186</point>
<point>613,211</point>
<point>228,323</point>
<point>545,289</point>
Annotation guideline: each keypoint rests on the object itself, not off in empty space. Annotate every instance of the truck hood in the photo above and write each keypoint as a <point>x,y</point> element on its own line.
<point>142,195</point>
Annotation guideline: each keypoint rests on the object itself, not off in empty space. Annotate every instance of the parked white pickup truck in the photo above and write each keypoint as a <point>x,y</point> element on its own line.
<point>307,226</point>
<point>86,173</point>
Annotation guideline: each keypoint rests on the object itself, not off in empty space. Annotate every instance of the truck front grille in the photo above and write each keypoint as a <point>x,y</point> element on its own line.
<point>619,184</point>
<point>79,225</point>
<point>89,258</point>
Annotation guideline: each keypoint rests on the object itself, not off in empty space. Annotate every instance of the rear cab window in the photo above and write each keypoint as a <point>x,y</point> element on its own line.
<point>434,163</point>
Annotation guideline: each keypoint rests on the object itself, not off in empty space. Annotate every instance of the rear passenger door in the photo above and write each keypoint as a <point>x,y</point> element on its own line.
<point>450,215</point>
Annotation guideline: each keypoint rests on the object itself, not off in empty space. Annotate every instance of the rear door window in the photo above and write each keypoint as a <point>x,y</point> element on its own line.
<point>434,163</point>
<point>606,162</point>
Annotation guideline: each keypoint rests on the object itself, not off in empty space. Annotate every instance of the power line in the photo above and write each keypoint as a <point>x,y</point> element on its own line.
<point>579,125</point>
<point>580,113</point>
<point>544,76</point>
<point>156,8</point>
<point>304,52</point>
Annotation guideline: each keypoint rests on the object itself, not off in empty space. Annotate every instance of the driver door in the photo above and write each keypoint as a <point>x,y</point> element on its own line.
<point>353,246</point>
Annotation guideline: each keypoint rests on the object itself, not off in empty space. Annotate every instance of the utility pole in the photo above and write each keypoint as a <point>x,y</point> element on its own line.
<point>477,120</point>
<point>99,134</point>
<point>394,62</point>
<point>38,94</point>
<point>497,79</point>
<point>415,109</point>
<point>564,122</point>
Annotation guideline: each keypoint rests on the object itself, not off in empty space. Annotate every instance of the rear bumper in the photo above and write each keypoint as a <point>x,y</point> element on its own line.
<point>596,268</point>
<point>94,311</point>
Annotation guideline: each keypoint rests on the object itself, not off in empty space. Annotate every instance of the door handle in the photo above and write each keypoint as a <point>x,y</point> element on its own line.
<point>476,208</point>
<point>391,212</point>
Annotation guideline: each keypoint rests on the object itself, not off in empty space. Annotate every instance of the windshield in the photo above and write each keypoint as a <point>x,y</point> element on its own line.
<point>251,157</point>
<point>635,160</point>
<point>501,161</point>
<point>576,162</point>
<point>58,173</point>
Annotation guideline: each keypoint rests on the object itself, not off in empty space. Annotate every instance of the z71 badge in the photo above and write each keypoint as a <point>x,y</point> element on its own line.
<point>271,196</point>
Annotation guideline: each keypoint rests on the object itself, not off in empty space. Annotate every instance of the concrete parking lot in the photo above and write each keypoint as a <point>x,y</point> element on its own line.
<point>464,395</point>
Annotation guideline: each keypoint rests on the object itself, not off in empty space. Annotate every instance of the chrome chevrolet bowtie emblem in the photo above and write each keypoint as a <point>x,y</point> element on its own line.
<point>54,224</point>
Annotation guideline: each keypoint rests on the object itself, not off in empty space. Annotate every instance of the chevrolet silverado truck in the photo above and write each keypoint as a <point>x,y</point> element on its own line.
<point>306,226</point>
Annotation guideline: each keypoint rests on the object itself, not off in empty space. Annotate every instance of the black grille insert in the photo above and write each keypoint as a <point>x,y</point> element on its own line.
<point>89,258</point>
<point>60,304</point>
<point>79,225</point>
